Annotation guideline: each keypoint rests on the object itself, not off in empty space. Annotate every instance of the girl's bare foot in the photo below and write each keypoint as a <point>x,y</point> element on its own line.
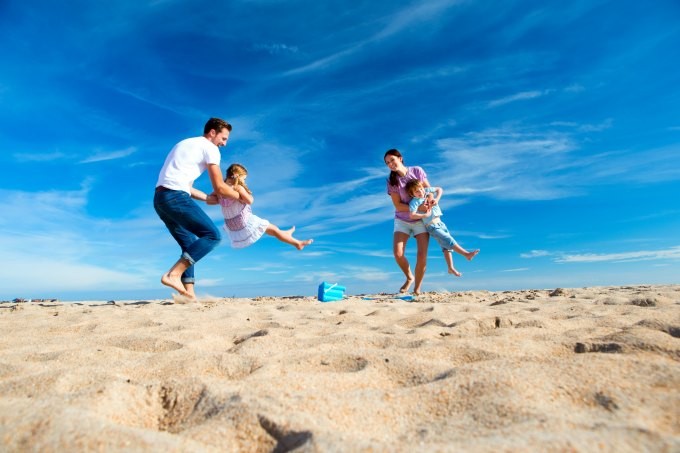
<point>454,272</point>
<point>471,254</point>
<point>407,284</point>
<point>175,282</point>
<point>302,244</point>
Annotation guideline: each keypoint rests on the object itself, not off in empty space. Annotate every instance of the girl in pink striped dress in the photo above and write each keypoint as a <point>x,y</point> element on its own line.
<point>244,227</point>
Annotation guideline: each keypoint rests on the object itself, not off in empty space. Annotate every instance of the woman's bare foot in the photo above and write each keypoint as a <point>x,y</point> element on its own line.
<point>302,244</point>
<point>454,272</point>
<point>471,255</point>
<point>407,284</point>
<point>175,282</point>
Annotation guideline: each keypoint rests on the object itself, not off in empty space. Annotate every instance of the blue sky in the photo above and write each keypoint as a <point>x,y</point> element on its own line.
<point>553,127</point>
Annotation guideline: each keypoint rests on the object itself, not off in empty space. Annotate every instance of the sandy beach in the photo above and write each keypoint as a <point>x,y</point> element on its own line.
<point>583,369</point>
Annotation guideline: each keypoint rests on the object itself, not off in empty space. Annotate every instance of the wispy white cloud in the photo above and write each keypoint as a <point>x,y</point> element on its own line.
<point>54,245</point>
<point>523,96</point>
<point>604,125</point>
<point>535,254</point>
<point>358,249</point>
<point>643,255</point>
<point>647,166</point>
<point>491,236</point>
<point>45,276</point>
<point>519,269</point>
<point>41,157</point>
<point>574,88</point>
<point>369,274</point>
<point>210,282</point>
<point>506,163</point>
<point>415,14</point>
<point>276,48</point>
<point>110,155</point>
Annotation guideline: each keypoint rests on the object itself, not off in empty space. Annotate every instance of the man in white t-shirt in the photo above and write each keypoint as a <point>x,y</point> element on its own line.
<point>174,202</point>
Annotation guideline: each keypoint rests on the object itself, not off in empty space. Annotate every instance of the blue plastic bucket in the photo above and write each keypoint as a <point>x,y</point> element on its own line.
<point>330,292</point>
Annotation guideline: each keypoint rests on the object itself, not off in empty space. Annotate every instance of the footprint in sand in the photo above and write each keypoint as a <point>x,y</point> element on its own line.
<point>419,320</point>
<point>333,363</point>
<point>653,324</point>
<point>43,356</point>
<point>145,344</point>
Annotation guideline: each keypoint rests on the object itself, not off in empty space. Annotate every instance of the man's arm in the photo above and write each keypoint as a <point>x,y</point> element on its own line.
<point>219,186</point>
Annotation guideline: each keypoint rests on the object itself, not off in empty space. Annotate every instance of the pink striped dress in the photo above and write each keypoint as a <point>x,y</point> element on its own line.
<point>244,227</point>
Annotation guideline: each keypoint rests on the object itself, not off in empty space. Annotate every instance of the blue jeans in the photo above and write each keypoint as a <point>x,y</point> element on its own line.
<point>191,227</point>
<point>441,234</point>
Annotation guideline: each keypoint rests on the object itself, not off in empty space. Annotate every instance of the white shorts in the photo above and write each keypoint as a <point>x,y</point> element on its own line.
<point>410,228</point>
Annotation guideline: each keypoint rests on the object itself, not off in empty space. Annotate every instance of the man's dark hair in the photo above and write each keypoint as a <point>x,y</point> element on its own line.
<point>216,124</point>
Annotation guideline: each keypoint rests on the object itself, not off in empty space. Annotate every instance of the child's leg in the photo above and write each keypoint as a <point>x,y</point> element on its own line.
<point>441,233</point>
<point>448,256</point>
<point>287,236</point>
<point>465,253</point>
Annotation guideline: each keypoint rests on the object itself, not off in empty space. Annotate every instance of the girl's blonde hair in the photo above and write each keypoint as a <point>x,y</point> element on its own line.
<point>236,173</point>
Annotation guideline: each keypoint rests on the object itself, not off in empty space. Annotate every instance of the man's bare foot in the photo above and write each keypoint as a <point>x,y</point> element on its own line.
<point>303,244</point>
<point>454,272</point>
<point>407,284</point>
<point>290,232</point>
<point>471,254</point>
<point>174,283</point>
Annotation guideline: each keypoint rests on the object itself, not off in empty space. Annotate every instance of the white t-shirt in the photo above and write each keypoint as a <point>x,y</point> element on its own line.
<point>186,161</point>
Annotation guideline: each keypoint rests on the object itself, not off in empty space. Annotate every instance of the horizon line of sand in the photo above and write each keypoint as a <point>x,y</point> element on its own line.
<point>173,297</point>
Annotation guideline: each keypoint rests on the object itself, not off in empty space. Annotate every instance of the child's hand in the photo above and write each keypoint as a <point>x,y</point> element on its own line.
<point>212,199</point>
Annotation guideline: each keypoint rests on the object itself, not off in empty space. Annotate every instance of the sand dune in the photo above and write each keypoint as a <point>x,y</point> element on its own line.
<point>588,369</point>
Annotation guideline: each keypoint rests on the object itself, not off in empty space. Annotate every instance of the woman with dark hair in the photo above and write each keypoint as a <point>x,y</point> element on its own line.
<point>404,226</point>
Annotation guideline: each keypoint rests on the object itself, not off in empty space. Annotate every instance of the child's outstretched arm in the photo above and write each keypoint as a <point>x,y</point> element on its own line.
<point>438,194</point>
<point>198,194</point>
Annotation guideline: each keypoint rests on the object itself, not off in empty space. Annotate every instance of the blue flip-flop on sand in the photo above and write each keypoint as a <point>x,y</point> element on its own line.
<point>406,297</point>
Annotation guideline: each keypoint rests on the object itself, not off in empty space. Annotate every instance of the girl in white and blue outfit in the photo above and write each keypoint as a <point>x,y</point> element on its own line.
<point>432,221</point>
